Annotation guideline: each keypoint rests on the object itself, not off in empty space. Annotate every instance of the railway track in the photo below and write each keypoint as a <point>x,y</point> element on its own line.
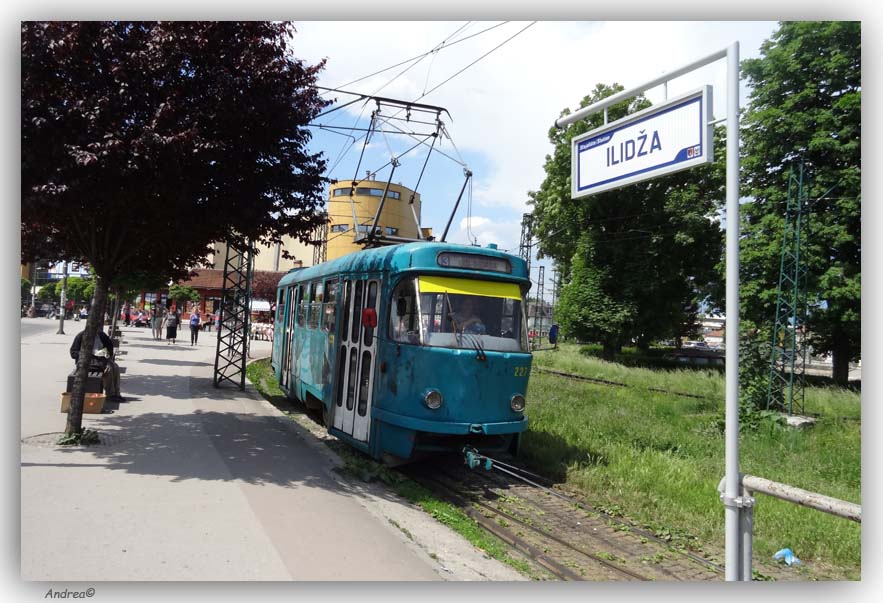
<point>619,384</point>
<point>566,538</point>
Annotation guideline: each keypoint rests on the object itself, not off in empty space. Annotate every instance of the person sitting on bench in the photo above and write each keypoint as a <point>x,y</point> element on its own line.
<point>102,357</point>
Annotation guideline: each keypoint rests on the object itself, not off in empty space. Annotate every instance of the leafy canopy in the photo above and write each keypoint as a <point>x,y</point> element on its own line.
<point>805,104</point>
<point>142,143</point>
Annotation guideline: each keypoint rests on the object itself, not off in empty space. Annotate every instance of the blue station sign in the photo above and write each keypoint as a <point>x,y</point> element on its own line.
<point>662,139</point>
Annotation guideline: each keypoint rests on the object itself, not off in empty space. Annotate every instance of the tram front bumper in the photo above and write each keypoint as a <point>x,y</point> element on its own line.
<point>447,427</point>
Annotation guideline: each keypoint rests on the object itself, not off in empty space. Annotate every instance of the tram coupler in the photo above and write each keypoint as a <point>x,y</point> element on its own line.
<point>473,459</point>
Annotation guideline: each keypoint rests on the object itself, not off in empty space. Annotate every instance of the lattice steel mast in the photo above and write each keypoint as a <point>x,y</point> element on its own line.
<point>788,355</point>
<point>235,310</point>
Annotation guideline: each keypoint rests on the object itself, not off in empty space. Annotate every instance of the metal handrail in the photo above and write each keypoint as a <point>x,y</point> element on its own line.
<point>749,484</point>
<point>804,498</point>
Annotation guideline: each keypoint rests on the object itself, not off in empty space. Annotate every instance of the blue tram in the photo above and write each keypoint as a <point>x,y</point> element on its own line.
<point>409,349</point>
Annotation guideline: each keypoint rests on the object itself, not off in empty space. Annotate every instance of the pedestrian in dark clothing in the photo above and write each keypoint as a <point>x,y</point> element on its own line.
<point>172,321</point>
<point>111,372</point>
<point>194,327</point>
<point>127,314</point>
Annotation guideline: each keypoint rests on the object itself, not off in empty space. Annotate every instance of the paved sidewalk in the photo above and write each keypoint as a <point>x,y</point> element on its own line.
<point>196,483</point>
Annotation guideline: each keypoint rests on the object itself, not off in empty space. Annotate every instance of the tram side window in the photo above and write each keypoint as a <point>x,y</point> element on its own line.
<point>315,305</point>
<point>280,304</point>
<point>347,294</point>
<point>356,319</point>
<point>404,323</point>
<point>370,302</point>
<point>329,306</point>
<point>301,305</point>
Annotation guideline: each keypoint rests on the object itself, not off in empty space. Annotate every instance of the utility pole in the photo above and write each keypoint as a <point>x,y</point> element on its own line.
<point>788,355</point>
<point>524,249</point>
<point>540,309</point>
<point>60,330</point>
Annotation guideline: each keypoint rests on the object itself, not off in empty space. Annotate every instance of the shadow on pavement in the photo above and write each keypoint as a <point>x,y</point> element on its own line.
<point>174,362</point>
<point>253,449</point>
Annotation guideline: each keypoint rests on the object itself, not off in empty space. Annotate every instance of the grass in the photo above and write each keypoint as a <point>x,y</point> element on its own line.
<point>659,457</point>
<point>356,464</point>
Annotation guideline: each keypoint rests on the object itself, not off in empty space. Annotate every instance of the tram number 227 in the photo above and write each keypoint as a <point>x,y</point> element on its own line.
<point>522,371</point>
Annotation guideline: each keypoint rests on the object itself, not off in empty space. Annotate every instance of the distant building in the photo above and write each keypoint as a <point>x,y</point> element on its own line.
<point>713,327</point>
<point>350,221</point>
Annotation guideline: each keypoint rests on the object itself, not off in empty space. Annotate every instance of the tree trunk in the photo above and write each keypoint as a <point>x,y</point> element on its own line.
<point>609,350</point>
<point>840,355</point>
<point>115,316</point>
<point>93,323</point>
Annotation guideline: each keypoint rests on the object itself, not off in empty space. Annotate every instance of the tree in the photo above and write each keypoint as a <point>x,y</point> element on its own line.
<point>646,253</point>
<point>264,284</point>
<point>182,293</point>
<point>200,126</point>
<point>80,289</point>
<point>26,290</point>
<point>805,103</point>
<point>47,292</point>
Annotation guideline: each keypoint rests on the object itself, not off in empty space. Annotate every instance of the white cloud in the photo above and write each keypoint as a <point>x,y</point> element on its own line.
<point>485,231</point>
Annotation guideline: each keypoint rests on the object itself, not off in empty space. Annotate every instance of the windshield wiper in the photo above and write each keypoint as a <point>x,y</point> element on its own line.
<point>458,334</point>
<point>475,342</point>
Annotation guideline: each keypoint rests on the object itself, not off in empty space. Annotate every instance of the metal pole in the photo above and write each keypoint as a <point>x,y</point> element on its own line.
<point>626,94</point>
<point>746,526</point>
<point>456,205</point>
<point>732,486</point>
<point>371,235</point>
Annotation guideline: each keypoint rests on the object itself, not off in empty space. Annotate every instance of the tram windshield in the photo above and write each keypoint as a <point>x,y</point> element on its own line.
<point>458,313</point>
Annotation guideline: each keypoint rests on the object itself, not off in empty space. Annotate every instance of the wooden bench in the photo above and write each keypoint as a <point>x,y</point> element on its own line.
<point>94,381</point>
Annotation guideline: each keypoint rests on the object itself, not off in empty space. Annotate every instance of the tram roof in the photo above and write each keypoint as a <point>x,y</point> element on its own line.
<point>407,256</point>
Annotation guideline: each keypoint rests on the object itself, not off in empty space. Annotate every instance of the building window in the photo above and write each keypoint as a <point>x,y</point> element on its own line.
<point>366,228</point>
<point>391,231</point>
<point>340,227</point>
<point>342,192</point>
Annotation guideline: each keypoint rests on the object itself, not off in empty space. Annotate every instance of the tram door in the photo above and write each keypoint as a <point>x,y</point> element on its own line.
<point>356,354</point>
<point>286,335</point>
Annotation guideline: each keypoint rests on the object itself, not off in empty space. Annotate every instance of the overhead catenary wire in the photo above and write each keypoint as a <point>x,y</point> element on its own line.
<point>448,79</point>
<point>435,49</point>
<point>387,120</point>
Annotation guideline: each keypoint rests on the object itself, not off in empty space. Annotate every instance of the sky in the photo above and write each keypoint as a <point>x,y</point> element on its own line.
<point>502,106</point>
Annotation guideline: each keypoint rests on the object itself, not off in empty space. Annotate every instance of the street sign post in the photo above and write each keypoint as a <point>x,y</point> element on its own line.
<point>737,524</point>
<point>662,139</point>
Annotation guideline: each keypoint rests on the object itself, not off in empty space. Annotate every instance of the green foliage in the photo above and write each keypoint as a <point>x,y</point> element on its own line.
<point>181,293</point>
<point>47,292</point>
<point>585,311</point>
<point>635,261</point>
<point>87,437</point>
<point>805,103</point>
<point>664,454</point>
<point>25,289</point>
<point>80,289</point>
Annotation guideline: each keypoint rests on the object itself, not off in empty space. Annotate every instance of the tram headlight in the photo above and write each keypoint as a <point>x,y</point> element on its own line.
<point>517,403</point>
<point>433,399</point>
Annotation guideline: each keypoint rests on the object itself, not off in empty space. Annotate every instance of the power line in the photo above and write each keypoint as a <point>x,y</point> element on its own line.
<point>439,47</point>
<point>477,60</point>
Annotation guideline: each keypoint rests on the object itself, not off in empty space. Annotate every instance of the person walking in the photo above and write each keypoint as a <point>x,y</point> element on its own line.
<point>172,320</point>
<point>194,327</point>
<point>127,314</point>
<point>156,321</point>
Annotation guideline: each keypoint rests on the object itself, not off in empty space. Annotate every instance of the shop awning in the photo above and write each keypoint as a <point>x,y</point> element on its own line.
<point>260,305</point>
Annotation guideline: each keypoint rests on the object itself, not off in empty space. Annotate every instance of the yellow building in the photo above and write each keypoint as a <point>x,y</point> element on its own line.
<point>350,222</point>
<point>397,223</point>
